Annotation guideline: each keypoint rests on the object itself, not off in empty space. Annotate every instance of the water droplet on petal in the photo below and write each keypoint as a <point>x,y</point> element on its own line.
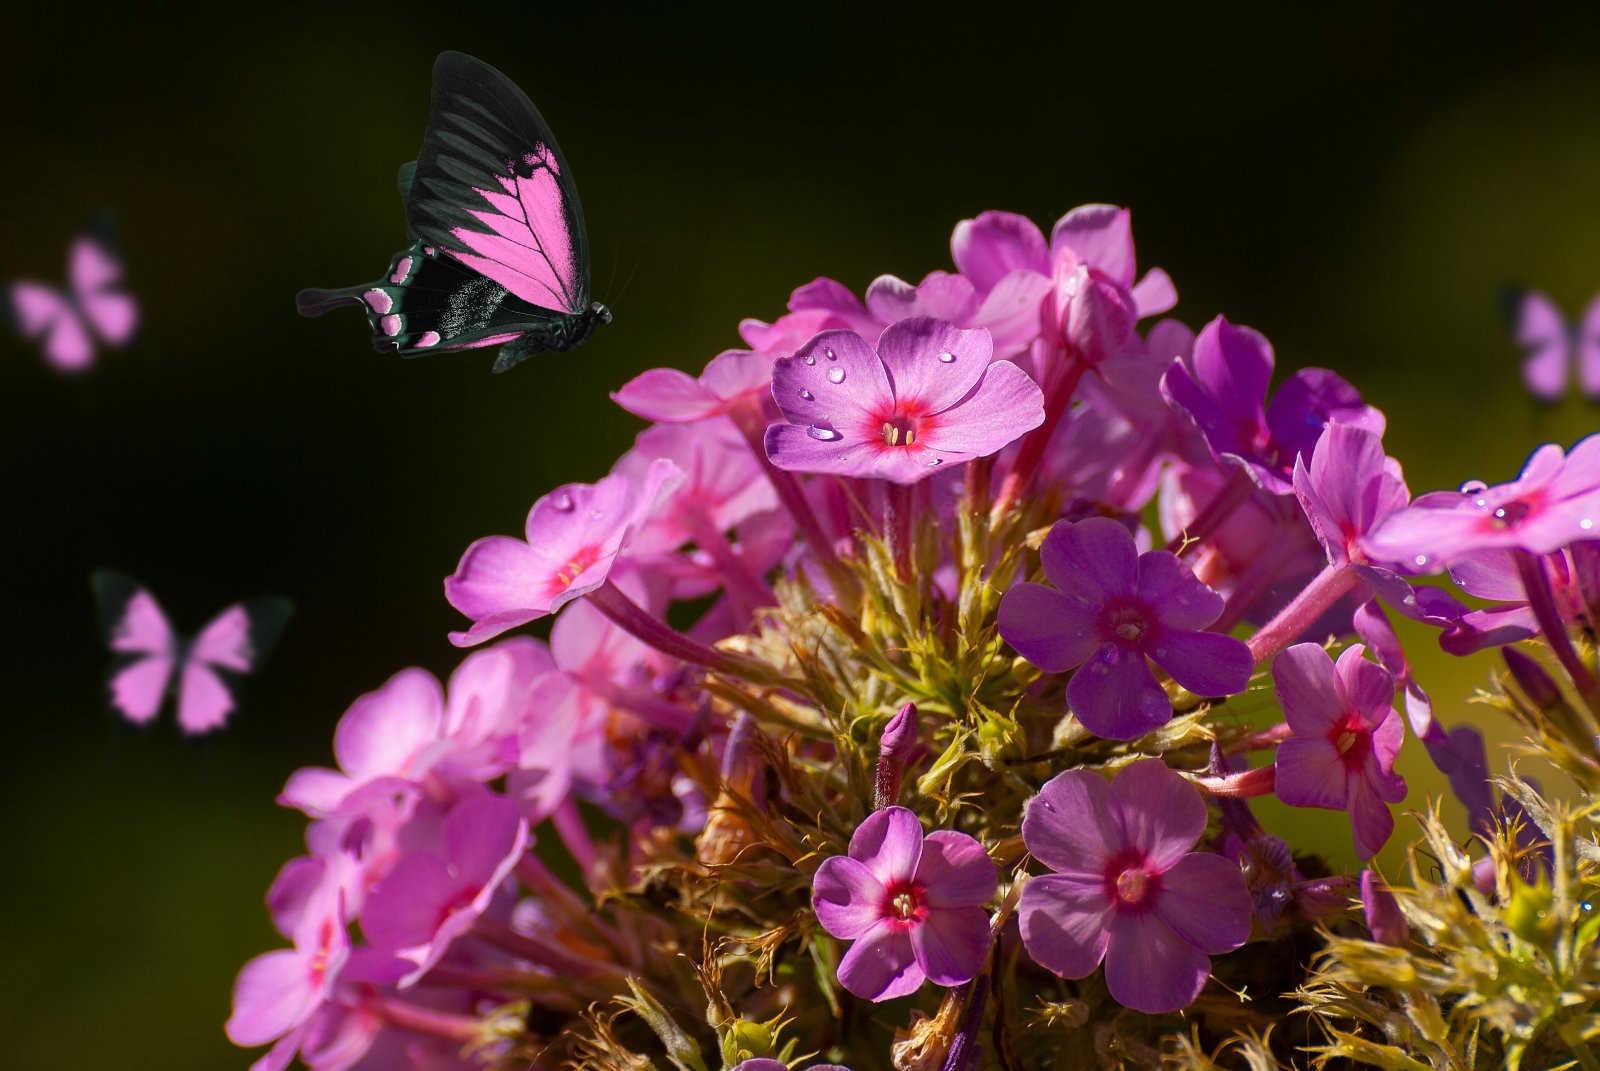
<point>1586,524</point>
<point>836,375</point>
<point>564,503</point>
<point>826,435</point>
<point>810,359</point>
<point>947,357</point>
<point>1472,487</point>
<point>935,462</point>
<point>1421,559</point>
<point>807,395</point>
<point>829,354</point>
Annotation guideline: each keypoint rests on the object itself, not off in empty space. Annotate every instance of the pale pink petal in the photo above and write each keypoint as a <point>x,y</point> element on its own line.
<point>500,583</point>
<point>1161,814</point>
<point>833,381</point>
<point>385,729</point>
<point>950,944</point>
<point>273,995</point>
<point>481,834</point>
<point>881,965</point>
<point>1151,969</point>
<point>404,909</point>
<point>1005,405</point>
<point>1012,312</point>
<point>1154,294</point>
<point>954,871</point>
<point>1064,923</point>
<point>1206,902</point>
<point>889,843</point>
<point>821,449</point>
<point>666,394</point>
<point>848,900</point>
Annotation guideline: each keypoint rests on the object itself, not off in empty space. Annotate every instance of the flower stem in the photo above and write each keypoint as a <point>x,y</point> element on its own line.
<point>1211,516</point>
<point>752,425</point>
<point>545,952</point>
<point>575,838</point>
<point>1253,582</point>
<point>1031,452</point>
<point>653,632</point>
<point>1542,601</point>
<point>1257,782</point>
<point>1325,589</point>
<point>441,1024</point>
<point>897,528</point>
<point>745,587</point>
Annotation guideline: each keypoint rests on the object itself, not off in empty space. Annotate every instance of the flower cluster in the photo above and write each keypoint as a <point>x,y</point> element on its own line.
<point>929,651</point>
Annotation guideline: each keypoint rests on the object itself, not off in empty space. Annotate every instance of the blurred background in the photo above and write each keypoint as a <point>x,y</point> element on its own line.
<point>1354,183</point>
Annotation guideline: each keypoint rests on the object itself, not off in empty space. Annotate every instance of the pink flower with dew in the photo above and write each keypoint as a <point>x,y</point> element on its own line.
<point>1554,503</point>
<point>927,396</point>
<point>911,903</point>
<point>432,897</point>
<point>1127,889</point>
<point>1111,609</point>
<point>1346,738</point>
<point>279,991</point>
<point>573,537</point>
<point>360,839</point>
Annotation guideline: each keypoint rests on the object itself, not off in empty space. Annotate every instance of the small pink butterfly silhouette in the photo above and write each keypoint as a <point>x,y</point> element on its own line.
<point>1553,346</point>
<point>149,655</point>
<point>94,309</point>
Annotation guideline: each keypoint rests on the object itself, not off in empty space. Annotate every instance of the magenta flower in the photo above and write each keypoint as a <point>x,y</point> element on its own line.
<point>277,992</point>
<point>1127,889</point>
<point>1346,737</point>
<point>574,535</point>
<point>732,379</point>
<point>1223,389</point>
<point>913,905</point>
<point>1110,610</point>
<point>927,396</point>
<point>432,897</point>
<point>1350,487</point>
<point>1553,503</point>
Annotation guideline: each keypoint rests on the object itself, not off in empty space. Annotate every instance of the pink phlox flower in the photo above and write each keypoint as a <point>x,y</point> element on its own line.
<point>1346,737</point>
<point>1224,392</point>
<point>733,379</point>
<point>1261,532</point>
<point>1127,888</point>
<point>573,537</point>
<point>279,991</point>
<point>1111,609</point>
<point>1554,503</point>
<point>911,903</point>
<point>1350,487</point>
<point>721,485</point>
<point>926,396</point>
<point>432,896</point>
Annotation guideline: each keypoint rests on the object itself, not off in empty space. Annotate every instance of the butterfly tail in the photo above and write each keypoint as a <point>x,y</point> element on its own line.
<point>314,301</point>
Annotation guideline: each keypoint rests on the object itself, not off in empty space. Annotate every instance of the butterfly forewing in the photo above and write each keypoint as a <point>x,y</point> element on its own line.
<point>136,630</point>
<point>1540,330</point>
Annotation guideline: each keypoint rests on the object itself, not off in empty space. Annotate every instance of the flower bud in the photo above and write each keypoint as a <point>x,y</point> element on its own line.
<point>1532,678</point>
<point>1384,919</point>
<point>900,738</point>
<point>1090,313</point>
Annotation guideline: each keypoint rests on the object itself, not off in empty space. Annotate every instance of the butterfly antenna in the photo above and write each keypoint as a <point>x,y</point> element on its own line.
<point>627,282</point>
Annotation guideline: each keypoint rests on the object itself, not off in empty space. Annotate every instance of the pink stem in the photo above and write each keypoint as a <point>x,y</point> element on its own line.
<point>1256,782</point>
<point>748,590</point>
<point>1210,518</point>
<point>1542,601</point>
<point>1265,738</point>
<point>659,712</point>
<point>544,952</point>
<point>1031,452</point>
<point>1257,577</point>
<point>752,425</point>
<point>1327,588</point>
<point>441,1024</point>
<point>652,631</point>
<point>575,837</point>
<point>897,527</point>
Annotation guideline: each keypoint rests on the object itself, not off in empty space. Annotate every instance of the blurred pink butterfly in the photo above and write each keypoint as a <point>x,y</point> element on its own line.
<point>150,656</point>
<point>1553,346</point>
<point>95,309</point>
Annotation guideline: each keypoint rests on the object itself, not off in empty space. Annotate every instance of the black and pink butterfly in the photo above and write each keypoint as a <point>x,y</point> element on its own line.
<point>1553,347</point>
<point>94,310</point>
<point>499,255</point>
<point>151,660</point>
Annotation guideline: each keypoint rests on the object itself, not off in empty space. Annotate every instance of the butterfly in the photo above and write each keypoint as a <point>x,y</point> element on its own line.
<point>1553,345</point>
<point>150,656</point>
<point>498,254</point>
<point>94,308</point>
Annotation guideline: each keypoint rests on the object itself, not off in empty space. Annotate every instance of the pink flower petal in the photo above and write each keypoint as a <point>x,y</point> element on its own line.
<point>841,391</point>
<point>1005,405</point>
<point>1154,294</point>
<point>385,729</point>
<point>950,944</point>
<point>848,900</point>
<point>1206,902</point>
<point>1116,696</point>
<point>889,843</point>
<point>1311,773</point>
<point>1053,631</point>
<point>483,835</point>
<point>1161,814</point>
<point>1206,663</point>
<point>404,909</point>
<point>1101,236</point>
<point>668,395</point>
<point>933,362</point>
<point>1304,680</point>
<point>1070,825</point>
<point>273,995</point>
<point>1370,819</point>
<point>881,965</point>
<point>993,244</point>
<point>1064,923</point>
<point>955,871</point>
<point>1150,969</point>
<point>1091,559</point>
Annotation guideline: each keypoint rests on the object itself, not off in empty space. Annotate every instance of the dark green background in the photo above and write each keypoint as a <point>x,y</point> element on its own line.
<point>1354,183</point>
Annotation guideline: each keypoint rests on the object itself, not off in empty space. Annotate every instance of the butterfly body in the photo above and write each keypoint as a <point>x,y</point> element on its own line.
<point>152,660</point>
<point>93,310</point>
<point>1554,347</point>
<point>499,255</point>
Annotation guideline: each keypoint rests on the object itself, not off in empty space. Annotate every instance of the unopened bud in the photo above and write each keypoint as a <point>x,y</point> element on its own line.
<point>1091,314</point>
<point>1385,921</point>
<point>895,747</point>
<point>1532,678</point>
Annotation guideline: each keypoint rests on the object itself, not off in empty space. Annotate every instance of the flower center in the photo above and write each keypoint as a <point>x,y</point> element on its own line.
<point>576,566</point>
<point>1126,625</point>
<point>902,902</point>
<point>1130,884</point>
<point>899,430</point>
<point>1133,885</point>
<point>1351,739</point>
<point>1511,514</point>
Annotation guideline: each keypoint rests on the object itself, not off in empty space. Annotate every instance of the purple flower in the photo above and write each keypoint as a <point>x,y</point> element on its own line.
<point>431,897</point>
<point>1346,737</point>
<point>1110,610</point>
<point>1127,889</point>
<point>1350,487</point>
<point>1554,503</point>
<point>927,396</point>
<point>913,905</point>
<point>574,535</point>
<point>766,1063</point>
<point>1224,391</point>
<point>1385,921</point>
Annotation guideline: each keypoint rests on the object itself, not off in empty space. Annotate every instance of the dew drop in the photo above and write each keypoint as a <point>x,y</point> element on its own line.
<point>935,462</point>
<point>829,354</point>
<point>807,395</point>
<point>826,435</point>
<point>836,375</point>
<point>1586,524</point>
<point>1421,559</point>
<point>947,357</point>
<point>1472,487</point>
<point>810,359</point>
<point>564,503</point>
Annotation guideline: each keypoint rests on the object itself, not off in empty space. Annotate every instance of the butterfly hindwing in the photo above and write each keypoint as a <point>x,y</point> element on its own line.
<point>1540,330</point>
<point>142,642</point>
<point>94,272</point>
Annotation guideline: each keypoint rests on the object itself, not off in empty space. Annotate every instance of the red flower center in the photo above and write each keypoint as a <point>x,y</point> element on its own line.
<point>903,903</point>
<point>1130,883</point>
<point>1511,514</point>
<point>576,566</point>
<point>903,426</point>
<point>1352,739</point>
